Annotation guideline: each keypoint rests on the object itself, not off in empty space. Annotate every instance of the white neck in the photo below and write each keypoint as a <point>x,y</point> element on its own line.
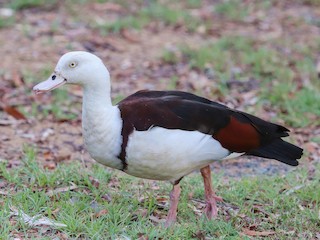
<point>101,123</point>
<point>98,90</point>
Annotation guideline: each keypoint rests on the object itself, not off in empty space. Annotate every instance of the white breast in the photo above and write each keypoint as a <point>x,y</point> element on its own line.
<point>102,135</point>
<point>164,154</point>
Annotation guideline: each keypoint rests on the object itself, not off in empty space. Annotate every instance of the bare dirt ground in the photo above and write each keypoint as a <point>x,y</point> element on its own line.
<point>32,45</point>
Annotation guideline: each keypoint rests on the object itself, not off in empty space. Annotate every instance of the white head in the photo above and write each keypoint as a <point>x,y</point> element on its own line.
<point>77,67</point>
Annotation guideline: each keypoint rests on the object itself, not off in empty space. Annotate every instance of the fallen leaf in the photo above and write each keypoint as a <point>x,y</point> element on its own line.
<point>55,212</point>
<point>156,219</point>
<point>292,190</point>
<point>101,213</point>
<point>142,236</point>
<point>199,235</point>
<point>17,79</point>
<point>48,155</point>
<point>49,165</point>
<point>107,197</point>
<point>46,133</point>
<point>108,6</point>
<point>130,36</point>
<point>62,189</point>
<point>14,112</point>
<point>36,220</point>
<point>162,202</point>
<point>61,158</point>
<point>249,232</point>
<point>95,182</point>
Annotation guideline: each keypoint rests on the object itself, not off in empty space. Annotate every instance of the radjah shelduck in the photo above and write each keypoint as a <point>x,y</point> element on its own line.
<point>164,135</point>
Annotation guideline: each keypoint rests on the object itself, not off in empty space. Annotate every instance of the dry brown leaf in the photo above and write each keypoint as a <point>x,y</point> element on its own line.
<point>199,235</point>
<point>14,112</point>
<point>108,6</point>
<point>252,233</point>
<point>156,219</point>
<point>48,155</point>
<point>62,157</point>
<point>162,200</point>
<point>49,166</point>
<point>55,211</point>
<point>130,36</point>
<point>17,79</point>
<point>142,236</point>
<point>107,197</point>
<point>95,182</point>
<point>101,213</point>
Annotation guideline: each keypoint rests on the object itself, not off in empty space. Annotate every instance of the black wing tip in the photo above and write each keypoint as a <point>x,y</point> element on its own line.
<point>282,131</point>
<point>294,163</point>
<point>280,150</point>
<point>297,155</point>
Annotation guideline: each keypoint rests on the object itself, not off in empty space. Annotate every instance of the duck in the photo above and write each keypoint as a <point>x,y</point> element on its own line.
<point>165,135</point>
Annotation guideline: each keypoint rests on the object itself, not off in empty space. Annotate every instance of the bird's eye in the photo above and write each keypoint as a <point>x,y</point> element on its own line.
<point>72,64</point>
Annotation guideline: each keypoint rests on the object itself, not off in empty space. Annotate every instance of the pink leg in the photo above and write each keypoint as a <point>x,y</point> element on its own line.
<point>211,198</point>
<point>174,200</point>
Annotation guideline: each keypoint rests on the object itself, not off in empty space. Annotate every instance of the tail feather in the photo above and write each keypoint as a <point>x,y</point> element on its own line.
<point>280,150</point>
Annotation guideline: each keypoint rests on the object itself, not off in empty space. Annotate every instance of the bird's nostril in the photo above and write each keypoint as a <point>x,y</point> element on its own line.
<point>53,77</point>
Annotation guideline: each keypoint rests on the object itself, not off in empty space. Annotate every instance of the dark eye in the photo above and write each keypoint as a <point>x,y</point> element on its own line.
<point>53,77</point>
<point>72,64</point>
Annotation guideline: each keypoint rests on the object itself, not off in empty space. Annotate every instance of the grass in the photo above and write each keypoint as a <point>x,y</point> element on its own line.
<point>154,11</point>
<point>6,21</point>
<point>276,74</point>
<point>237,10</point>
<point>232,9</point>
<point>193,3</point>
<point>264,204</point>
<point>22,4</point>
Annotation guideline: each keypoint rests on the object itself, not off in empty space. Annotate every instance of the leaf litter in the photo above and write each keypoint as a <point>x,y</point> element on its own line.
<point>37,220</point>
